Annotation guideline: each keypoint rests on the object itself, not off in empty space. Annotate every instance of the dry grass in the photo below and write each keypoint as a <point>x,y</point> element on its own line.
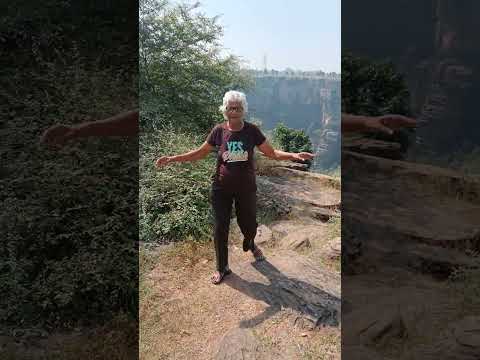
<point>277,339</point>
<point>165,276</point>
<point>319,251</point>
<point>187,254</point>
<point>181,318</point>
<point>334,227</point>
<point>323,345</point>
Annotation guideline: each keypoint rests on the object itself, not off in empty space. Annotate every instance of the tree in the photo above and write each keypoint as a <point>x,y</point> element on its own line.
<point>292,140</point>
<point>182,73</point>
<point>183,77</point>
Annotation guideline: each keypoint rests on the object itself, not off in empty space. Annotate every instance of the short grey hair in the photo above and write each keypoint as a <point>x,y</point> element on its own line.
<point>233,95</point>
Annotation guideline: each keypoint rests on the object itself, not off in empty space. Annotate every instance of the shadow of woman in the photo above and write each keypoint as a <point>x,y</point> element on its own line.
<point>315,306</point>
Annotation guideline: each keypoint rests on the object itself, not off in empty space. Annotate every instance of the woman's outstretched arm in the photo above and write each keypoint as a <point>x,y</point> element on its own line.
<point>123,124</point>
<point>193,155</point>
<point>384,123</point>
<point>270,152</point>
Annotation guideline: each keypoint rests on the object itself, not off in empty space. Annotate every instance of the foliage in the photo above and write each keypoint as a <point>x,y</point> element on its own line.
<point>34,34</point>
<point>292,140</point>
<point>68,248</point>
<point>183,78</point>
<point>174,201</point>
<point>370,88</point>
<point>182,74</point>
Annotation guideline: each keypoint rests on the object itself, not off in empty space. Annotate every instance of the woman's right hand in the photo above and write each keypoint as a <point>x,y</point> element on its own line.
<point>162,161</point>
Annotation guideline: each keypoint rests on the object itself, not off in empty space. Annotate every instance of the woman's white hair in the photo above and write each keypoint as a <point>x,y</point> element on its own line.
<point>233,95</point>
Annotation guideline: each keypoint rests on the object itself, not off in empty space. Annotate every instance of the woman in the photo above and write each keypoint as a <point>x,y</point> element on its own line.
<point>234,178</point>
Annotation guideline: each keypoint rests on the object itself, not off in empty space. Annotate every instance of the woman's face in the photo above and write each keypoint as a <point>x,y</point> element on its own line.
<point>234,110</point>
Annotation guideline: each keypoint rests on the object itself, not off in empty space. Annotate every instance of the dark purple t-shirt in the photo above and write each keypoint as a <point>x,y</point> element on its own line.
<point>235,162</point>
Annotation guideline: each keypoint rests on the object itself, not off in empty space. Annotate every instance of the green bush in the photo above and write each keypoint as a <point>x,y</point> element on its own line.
<point>174,200</point>
<point>69,245</point>
<point>372,88</point>
<point>68,249</point>
<point>375,88</point>
<point>292,140</point>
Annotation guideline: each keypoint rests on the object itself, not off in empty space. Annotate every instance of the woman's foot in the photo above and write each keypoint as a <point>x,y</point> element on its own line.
<point>246,245</point>
<point>218,276</point>
<point>258,254</point>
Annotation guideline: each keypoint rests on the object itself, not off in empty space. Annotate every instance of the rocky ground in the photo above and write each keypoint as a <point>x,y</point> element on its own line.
<point>419,230</point>
<point>287,307</point>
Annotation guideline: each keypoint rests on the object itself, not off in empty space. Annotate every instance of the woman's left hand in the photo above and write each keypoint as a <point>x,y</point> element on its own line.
<point>303,156</point>
<point>389,123</point>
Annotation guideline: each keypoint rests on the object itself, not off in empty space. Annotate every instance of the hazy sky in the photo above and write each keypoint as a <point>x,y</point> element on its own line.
<point>299,34</point>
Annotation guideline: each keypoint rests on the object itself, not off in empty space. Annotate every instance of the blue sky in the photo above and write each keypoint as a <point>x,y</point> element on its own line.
<point>299,34</point>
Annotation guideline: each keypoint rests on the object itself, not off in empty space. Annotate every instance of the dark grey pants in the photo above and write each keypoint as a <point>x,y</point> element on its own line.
<point>246,211</point>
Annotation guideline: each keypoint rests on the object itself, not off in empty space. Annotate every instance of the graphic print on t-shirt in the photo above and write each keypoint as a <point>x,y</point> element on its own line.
<point>235,152</point>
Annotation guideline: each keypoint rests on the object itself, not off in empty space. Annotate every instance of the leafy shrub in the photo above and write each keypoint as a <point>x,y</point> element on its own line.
<point>370,88</point>
<point>174,200</point>
<point>374,88</point>
<point>292,140</point>
<point>69,251</point>
<point>69,220</point>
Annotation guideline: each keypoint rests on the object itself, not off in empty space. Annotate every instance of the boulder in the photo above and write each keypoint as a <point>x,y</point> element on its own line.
<point>264,235</point>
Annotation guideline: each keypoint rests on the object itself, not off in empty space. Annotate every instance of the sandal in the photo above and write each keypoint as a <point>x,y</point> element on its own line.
<point>217,278</point>
<point>258,254</point>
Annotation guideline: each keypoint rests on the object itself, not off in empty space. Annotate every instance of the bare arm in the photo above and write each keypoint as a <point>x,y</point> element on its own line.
<point>386,123</point>
<point>271,153</point>
<point>353,123</point>
<point>124,124</point>
<point>193,155</point>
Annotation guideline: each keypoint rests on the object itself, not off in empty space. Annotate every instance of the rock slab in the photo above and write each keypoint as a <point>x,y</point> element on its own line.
<point>237,344</point>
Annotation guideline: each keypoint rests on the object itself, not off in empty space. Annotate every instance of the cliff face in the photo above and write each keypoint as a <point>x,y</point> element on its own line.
<point>443,83</point>
<point>299,102</point>
<point>311,103</point>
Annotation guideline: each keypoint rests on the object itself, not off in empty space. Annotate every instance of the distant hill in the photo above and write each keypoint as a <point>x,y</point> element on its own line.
<point>301,100</point>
